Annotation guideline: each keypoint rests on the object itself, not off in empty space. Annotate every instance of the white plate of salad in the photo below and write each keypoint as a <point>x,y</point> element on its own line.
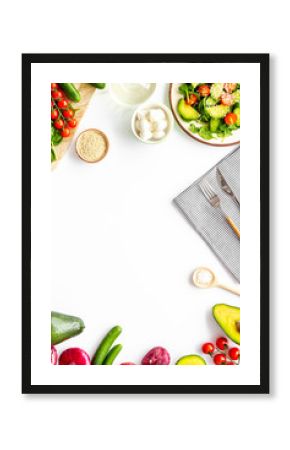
<point>208,112</point>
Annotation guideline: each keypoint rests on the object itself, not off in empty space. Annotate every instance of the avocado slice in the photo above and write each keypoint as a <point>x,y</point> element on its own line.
<point>187,112</point>
<point>191,360</point>
<point>64,327</point>
<point>217,111</point>
<point>228,318</point>
<point>237,111</point>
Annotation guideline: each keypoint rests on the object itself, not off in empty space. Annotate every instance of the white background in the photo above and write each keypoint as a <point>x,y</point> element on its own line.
<point>121,251</point>
<point>139,422</point>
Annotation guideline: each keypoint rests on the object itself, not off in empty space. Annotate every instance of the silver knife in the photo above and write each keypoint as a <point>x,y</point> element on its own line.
<point>225,187</point>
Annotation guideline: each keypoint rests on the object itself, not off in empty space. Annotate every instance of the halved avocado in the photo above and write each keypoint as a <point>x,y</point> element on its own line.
<point>228,318</point>
<point>217,111</point>
<point>187,112</point>
<point>191,360</point>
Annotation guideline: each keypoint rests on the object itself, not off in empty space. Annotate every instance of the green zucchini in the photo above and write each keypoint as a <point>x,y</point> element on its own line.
<point>71,91</point>
<point>98,85</point>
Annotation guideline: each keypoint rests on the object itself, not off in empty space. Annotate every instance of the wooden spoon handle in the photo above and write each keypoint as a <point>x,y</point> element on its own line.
<point>233,226</point>
<point>228,288</point>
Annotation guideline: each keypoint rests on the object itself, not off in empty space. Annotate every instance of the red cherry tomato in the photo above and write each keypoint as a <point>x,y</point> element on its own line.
<point>208,348</point>
<point>204,90</point>
<point>227,99</point>
<point>54,114</point>
<point>57,95</point>
<point>230,363</point>
<point>72,123</point>
<point>219,359</point>
<point>221,343</point>
<point>68,113</point>
<point>234,353</point>
<point>58,124</point>
<point>192,99</point>
<point>54,86</point>
<point>231,118</point>
<point>62,104</point>
<point>65,132</point>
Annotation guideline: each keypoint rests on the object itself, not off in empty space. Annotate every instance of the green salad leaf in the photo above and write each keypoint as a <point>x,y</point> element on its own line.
<point>205,132</point>
<point>194,129</point>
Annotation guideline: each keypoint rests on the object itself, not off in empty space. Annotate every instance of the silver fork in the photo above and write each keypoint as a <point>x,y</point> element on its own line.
<point>214,200</point>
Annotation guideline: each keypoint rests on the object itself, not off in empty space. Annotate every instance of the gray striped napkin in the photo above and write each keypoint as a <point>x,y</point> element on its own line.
<point>209,222</point>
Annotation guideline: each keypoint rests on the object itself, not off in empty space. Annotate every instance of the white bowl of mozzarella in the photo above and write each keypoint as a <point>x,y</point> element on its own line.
<point>152,123</point>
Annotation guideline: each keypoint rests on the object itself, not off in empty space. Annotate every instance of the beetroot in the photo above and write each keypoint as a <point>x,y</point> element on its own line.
<point>74,357</point>
<point>156,356</point>
<point>53,355</point>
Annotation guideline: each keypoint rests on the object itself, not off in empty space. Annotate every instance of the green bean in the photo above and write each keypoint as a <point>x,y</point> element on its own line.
<point>105,345</point>
<point>112,355</point>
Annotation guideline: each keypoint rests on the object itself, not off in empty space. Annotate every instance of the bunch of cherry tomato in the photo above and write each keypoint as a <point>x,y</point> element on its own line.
<point>62,113</point>
<point>220,353</point>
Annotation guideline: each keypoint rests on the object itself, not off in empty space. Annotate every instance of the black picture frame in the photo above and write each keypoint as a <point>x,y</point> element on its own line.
<point>27,61</point>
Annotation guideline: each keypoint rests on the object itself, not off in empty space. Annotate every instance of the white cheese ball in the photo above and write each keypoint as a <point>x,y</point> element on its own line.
<point>155,115</point>
<point>146,135</point>
<point>144,125</point>
<point>160,125</point>
<point>158,135</point>
<point>142,114</point>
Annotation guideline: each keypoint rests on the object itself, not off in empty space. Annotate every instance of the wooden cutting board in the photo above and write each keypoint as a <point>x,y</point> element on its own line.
<point>86,91</point>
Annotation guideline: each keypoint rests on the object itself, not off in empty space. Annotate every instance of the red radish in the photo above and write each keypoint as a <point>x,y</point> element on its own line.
<point>127,364</point>
<point>53,355</point>
<point>156,356</point>
<point>74,357</point>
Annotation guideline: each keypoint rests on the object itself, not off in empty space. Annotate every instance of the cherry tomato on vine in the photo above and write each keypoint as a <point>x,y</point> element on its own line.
<point>62,104</point>
<point>72,123</point>
<point>234,353</point>
<point>219,359</point>
<point>59,124</point>
<point>54,114</point>
<point>68,113</point>
<point>54,86</point>
<point>208,348</point>
<point>204,90</point>
<point>231,118</point>
<point>65,132</point>
<point>221,343</point>
<point>57,95</point>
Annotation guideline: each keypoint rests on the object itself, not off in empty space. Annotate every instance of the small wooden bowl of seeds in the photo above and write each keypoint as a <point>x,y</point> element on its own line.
<point>92,145</point>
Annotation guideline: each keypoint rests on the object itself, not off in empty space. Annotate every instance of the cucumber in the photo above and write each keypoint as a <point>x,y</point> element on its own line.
<point>214,124</point>
<point>217,111</point>
<point>216,90</point>
<point>98,85</point>
<point>191,360</point>
<point>64,327</point>
<point>71,91</point>
<point>236,96</point>
<point>112,355</point>
<point>105,345</point>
